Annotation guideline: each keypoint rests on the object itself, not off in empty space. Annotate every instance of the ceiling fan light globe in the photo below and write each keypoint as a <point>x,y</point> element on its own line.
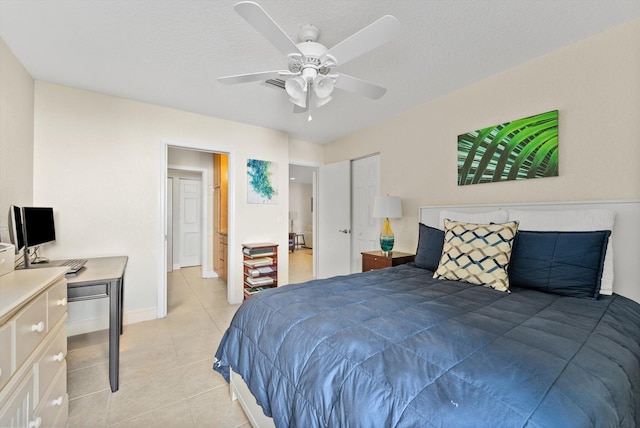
<point>300,102</point>
<point>322,101</point>
<point>295,87</point>
<point>323,86</point>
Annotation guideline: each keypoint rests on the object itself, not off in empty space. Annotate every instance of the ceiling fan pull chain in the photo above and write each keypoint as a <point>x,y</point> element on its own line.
<point>309,119</point>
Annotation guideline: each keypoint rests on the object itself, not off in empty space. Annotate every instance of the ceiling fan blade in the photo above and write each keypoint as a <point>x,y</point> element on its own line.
<point>250,77</point>
<point>255,15</point>
<point>370,37</point>
<point>359,86</point>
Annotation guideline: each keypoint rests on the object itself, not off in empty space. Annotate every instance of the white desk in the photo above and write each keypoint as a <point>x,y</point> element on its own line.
<point>101,278</point>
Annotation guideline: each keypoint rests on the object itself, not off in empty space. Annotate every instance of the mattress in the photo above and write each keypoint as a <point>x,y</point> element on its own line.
<point>395,347</point>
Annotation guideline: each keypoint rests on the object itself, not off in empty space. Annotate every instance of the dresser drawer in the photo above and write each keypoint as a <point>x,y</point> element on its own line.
<point>54,401</point>
<point>5,353</point>
<point>31,328</point>
<point>370,262</point>
<point>56,302</point>
<point>17,410</point>
<point>93,291</point>
<point>52,359</point>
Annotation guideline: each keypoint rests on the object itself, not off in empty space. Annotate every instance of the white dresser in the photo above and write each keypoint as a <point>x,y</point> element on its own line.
<point>33,348</point>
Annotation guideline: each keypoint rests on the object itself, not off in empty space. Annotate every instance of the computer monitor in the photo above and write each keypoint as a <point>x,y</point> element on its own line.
<point>38,225</point>
<point>38,229</point>
<point>16,231</point>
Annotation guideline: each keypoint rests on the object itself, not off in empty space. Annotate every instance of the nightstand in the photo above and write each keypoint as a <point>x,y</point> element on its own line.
<point>372,260</point>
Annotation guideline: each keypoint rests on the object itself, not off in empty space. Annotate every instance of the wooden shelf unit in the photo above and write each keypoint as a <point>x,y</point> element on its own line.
<point>257,257</point>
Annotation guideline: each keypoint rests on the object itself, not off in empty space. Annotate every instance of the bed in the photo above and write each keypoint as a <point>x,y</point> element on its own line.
<point>398,347</point>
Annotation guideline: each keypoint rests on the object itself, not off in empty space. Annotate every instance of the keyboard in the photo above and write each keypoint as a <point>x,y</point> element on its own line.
<point>74,265</point>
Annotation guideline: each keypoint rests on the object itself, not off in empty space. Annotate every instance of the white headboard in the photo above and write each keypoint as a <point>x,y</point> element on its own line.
<point>625,234</point>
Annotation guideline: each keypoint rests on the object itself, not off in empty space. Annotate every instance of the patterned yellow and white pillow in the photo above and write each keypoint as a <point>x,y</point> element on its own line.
<point>477,253</point>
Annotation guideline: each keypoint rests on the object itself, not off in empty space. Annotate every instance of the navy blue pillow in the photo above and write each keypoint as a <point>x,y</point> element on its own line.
<point>564,263</point>
<point>430,242</point>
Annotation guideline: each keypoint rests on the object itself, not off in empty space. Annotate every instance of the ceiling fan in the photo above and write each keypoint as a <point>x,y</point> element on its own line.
<point>311,76</point>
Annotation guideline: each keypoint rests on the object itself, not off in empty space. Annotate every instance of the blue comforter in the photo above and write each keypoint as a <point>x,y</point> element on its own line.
<point>395,347</point>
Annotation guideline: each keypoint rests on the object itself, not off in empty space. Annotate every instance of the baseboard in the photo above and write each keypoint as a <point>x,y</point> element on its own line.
<point>89,325</point>
<point>140,315</point>
<point>211,274</point>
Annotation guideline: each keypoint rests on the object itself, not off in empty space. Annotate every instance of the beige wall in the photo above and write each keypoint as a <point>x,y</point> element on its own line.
<point>305,153</point>
<point>595,85</point>
<point>16,136</point>
<point>109,150</point>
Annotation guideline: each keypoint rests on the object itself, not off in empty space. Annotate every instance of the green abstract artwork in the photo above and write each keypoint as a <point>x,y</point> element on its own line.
<point>262,184</point>
<point>516,150</point>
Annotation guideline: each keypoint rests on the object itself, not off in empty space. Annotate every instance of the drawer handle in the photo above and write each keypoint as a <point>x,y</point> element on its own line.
<point>62,302</point>
<point>35,423</point>
<point>58,357</point>
<point>38,327</point>
<point>0,372</point>
<point>58,401</point>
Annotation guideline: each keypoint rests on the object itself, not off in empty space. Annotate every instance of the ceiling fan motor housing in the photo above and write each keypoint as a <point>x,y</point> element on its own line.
<point>311,54</point>
<point>308,33</point>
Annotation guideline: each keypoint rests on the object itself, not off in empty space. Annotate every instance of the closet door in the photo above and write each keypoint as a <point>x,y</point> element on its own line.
<point>334,219</point>
<point>365,230</point>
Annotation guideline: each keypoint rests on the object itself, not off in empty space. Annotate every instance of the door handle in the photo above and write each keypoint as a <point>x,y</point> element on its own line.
<point>344,231</point>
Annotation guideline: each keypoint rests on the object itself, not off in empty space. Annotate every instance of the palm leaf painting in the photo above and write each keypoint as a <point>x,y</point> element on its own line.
<point>516,150</point>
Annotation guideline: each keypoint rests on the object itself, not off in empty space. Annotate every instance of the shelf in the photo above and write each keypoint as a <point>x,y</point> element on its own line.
<point>260,268</point>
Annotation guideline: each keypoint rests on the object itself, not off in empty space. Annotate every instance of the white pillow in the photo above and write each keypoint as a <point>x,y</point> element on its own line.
<point>572,220</point>
<point>499,216</point>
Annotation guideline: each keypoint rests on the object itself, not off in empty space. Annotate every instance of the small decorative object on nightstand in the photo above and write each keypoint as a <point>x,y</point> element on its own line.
<point>387,207</point>
<point>372,260</point>
<point>260,267</point>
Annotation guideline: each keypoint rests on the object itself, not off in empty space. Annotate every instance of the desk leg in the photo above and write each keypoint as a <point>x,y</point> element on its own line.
<point>115,316</point>
<point>121,291</point>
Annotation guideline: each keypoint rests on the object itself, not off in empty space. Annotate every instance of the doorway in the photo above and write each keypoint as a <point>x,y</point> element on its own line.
<point>302,189</point>
<point>187,230</point>
<point>194,149</point>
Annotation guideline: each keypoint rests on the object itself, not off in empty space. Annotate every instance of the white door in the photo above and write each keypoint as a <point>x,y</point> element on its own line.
<point>365,231</point>
<point>334,219</point>
<point>168,233</point>
<point>190,222</point>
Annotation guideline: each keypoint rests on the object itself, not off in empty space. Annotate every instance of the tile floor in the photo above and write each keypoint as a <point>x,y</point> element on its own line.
<point>300,265</point>
<point>166,378</point>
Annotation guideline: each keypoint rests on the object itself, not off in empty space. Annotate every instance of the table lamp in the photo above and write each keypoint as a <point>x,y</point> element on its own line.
<point>293,215</point>
<point>387,207</point>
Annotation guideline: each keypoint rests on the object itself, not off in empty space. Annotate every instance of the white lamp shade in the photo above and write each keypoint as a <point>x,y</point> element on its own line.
<point>322,101</point>
<point>296,87</point>
<point>300,102</point>
<point>323,86</point>
<point>387,207</point>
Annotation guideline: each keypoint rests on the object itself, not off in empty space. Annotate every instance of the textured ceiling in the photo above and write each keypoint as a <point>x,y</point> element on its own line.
<point>170,53</point>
